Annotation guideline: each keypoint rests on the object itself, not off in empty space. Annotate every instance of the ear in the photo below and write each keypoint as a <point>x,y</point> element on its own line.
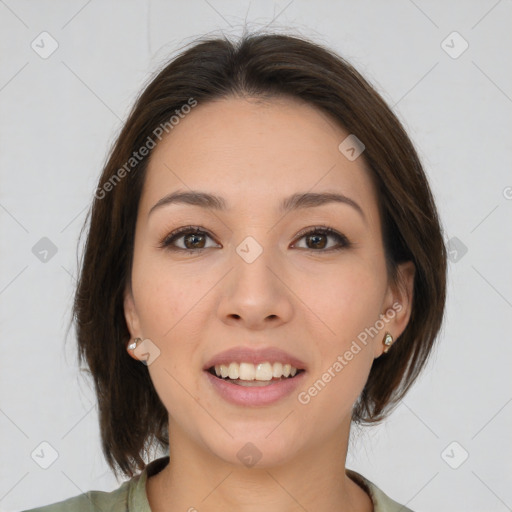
<point>131,317</point>
<point>397,305</point>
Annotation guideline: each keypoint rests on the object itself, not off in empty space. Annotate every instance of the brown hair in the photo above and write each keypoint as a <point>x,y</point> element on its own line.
<point>131,414</point>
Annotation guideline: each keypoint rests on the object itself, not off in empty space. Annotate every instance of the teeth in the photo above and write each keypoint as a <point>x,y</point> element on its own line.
<point>263,372</point>
<point>277,370</point>
<point>234,371</point>
<point>224,371</point>
<point>259,372</point>
<point>247,371</point>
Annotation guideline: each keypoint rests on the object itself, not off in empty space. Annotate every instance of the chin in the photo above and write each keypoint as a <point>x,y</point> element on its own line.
<point>255,451</point>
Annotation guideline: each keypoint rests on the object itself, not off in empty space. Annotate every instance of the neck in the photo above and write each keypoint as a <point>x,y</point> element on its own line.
<point>198,480</point>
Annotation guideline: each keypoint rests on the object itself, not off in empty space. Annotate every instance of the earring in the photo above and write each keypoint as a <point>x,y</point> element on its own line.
<point>133,345</point>
<point>388,341</point>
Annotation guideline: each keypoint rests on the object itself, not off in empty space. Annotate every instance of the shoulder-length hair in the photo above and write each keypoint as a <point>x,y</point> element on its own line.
<point>131,416</point>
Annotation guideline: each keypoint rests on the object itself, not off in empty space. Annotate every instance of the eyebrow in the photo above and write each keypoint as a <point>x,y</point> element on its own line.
<point>293,202</point>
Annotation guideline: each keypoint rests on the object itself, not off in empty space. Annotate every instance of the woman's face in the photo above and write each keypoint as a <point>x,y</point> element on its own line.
<point>256,278</point>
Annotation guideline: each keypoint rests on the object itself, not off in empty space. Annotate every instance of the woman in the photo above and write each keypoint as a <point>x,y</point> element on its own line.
<point>264,267</point>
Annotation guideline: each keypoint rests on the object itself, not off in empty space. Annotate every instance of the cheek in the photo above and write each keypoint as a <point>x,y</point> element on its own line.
<point>347,298</point>
<point>170,310</point>
<point>165,295</point>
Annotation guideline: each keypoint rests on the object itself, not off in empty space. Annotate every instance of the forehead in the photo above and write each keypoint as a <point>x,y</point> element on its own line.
<point>255,152</point>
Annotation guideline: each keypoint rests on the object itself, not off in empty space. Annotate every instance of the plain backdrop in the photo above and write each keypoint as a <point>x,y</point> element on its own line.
<point>445,69</point>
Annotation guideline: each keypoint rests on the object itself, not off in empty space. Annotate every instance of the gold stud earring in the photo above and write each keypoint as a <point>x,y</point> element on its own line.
<point>388,341</point>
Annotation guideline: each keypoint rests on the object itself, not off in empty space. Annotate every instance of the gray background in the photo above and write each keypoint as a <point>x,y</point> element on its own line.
<point>59,116</point>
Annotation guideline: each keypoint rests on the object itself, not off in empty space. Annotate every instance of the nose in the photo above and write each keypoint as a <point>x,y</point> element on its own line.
<point>255,293</point>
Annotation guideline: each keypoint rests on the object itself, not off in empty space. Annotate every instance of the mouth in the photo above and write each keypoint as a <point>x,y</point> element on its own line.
<point>255,375</point>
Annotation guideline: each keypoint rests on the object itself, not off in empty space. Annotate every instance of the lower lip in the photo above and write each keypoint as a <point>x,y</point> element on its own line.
<point>257,395</point>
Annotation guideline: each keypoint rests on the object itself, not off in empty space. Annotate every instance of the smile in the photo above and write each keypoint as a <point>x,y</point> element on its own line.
<point>241,385</point>
<point>249,374</point>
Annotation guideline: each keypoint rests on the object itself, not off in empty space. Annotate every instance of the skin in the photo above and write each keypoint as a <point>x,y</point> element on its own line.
<point>309,301</point>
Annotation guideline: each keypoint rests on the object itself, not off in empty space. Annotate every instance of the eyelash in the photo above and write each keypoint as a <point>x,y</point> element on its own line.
<point>167,241</point>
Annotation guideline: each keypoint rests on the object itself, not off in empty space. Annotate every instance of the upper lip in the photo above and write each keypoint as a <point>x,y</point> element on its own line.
<point>254,356</point>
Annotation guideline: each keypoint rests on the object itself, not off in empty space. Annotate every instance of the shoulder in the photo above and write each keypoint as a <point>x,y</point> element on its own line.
<point>381,501</point>
<point>92,501</point>
<point>129,497</point>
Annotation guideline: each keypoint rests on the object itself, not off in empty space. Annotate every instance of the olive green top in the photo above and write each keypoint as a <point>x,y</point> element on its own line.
<point>131,495</point>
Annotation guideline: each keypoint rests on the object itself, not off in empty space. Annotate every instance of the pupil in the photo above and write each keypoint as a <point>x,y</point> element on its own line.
<point>316,242</point>
<point>192,237</point>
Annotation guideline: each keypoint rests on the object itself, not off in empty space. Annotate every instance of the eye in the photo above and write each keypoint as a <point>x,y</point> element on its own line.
<point>193,239</point>
<point>318,236</point>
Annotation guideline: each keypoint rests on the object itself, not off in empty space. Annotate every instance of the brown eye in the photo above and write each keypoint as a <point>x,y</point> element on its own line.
<point>192,240</point>
<point>317,239</point>
<point>196,241</point>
